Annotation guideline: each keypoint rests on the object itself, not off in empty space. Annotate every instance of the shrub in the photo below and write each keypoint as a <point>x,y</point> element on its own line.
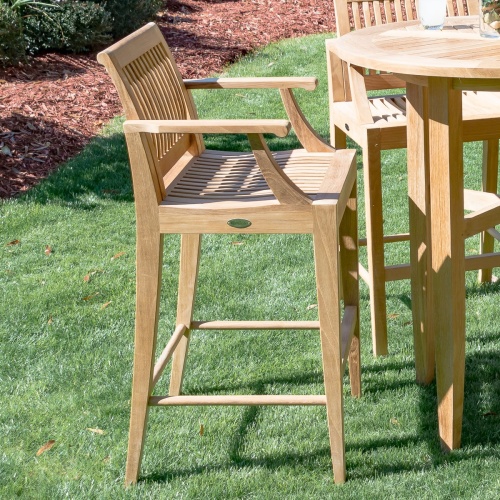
<point>128,15</point>
<point>72,26</point>
<point>67,25</point>
<point>12,44</point>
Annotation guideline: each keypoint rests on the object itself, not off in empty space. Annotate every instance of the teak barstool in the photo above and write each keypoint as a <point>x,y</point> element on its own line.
<point>378,123</point>
<point>180,187</point>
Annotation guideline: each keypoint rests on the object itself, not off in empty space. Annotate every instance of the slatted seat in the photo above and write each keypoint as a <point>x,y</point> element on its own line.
<point>236,178</point>
<point>181,187</point>
<point>378,123</point>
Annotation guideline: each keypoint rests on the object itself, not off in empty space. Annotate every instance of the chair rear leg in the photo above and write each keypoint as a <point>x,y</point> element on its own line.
<point>188,276</point>
<point>490,183</point>
<point>326,261</point>
<point>350,281</point>
<point>375,243</point>
<point>149,264</point>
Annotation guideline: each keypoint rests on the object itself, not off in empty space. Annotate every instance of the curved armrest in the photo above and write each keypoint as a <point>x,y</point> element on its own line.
<point>279,128</point>
<point>299,82</point>
<point>305,133</point>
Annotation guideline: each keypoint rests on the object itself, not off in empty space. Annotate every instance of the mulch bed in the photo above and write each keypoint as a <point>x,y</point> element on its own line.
<point>51,106</point>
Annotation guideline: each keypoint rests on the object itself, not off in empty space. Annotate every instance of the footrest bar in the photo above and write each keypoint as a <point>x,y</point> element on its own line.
<point>167,352</point>
<point>254,325</point>
<point>389,238</point>
<point>251,400</point>
<point>397,272</point>
<point>482,261</point>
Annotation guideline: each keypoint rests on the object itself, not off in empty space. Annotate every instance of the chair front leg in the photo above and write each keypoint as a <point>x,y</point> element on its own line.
<point>149,264</point>
<point>326,259</point>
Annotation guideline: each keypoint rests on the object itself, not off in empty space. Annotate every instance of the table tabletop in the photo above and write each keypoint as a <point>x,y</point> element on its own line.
<point>407,48</point>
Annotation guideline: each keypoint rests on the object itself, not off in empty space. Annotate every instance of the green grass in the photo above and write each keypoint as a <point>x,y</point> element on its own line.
<point>65,360</point>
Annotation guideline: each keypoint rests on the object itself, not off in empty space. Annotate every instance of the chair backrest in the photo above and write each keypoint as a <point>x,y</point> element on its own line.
<point>151,88</point>
<point>356,14</point>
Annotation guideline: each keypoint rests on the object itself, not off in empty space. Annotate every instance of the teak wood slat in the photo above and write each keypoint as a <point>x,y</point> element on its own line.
<point>245,400</point>
<point>379,123</point>
<point>255,325</point>
<point>182,188</point>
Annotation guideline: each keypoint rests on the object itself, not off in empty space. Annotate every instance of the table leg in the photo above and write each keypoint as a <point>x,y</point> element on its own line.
<point>448,254</point>
<point>420,251</point>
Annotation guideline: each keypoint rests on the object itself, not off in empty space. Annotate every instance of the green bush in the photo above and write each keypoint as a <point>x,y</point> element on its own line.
<point>33,26</point>
<point>12,44</point>
<point>128,15</point>
<point>72,26</point>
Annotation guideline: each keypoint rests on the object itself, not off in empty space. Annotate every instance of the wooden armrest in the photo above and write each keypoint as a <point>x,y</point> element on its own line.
<point>306,135</point>
<point>279,128</point>
<point>302,82</point>
<point>286,192</point>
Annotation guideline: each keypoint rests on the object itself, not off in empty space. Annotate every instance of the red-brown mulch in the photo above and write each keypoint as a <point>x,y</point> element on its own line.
<point>52,106</point>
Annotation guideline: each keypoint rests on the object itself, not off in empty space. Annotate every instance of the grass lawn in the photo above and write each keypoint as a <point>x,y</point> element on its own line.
<point>67,254</point>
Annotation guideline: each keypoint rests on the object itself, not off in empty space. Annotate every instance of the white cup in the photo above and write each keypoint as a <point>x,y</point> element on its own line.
<point>432,13</point>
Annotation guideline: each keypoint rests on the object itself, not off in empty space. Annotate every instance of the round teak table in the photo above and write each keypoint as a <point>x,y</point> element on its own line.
<point>437,66</point>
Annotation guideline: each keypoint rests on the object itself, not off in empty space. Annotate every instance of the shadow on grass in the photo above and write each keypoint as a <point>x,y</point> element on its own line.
<point>270,462</point>
<point>481,429</point>
<point>481,421</point>
<point>101,171</point>
<point>481,413</point>
<point>476,289</point>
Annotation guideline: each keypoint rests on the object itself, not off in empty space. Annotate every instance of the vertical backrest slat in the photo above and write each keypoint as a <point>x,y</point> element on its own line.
<point>399,11</point>
<point>377,12</point>
<point>357,17</point>
<point>472,7</point>
<point>367,16</point>
<point>409,11</point>
<point>342,23</point>
<point>388,11</point>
